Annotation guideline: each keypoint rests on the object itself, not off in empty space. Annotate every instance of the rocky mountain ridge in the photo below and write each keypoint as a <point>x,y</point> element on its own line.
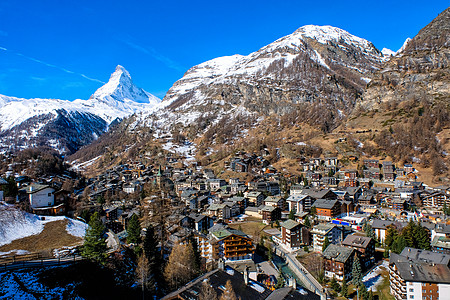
<point>67,125</point>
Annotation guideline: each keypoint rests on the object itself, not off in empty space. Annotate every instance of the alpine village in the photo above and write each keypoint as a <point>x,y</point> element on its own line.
<point>314,168</point>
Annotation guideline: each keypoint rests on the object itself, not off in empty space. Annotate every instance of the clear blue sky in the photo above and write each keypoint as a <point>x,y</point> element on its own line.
<point>48,48</point>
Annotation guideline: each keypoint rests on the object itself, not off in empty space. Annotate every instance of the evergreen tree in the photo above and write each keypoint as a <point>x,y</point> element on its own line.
<point>280,281</point>
<point>335,285</point>
<point>10,189</point>
<point>391,235</point>
<point>422,238</point>
<point>94,247</point>
<point>344,289</point>
<point>326,243</point>
<point>143,273</point>
<point>399,244</point>
<point>292,215</point>
<point>363,294</point>
<point>313,211</point>
<point>356,271</point>
<point>154,257</point>
<point>134,230</point>
<point>408,233</point>
<point>307,222</point>
<point>197,255</point>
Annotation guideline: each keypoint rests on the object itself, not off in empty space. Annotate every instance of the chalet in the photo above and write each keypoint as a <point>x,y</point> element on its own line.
<point>441,244</point>
<point>293,235</point>
<point>216,184</point>
<point>270,214</point>
<point>231,244</point>
<point>354,193</point>
<point>299,203</point>
<point>419,274</point>
<point>276,201</point>
<point>371,163</point>
<point>365,246</point>
<point>399,204</point>
<point>372,173</point>
<point>255,198</point>
<point>366,199</point>
<point>40,195</point>
<point>437,200</point>
<point>335,234</point>
<point>338,262</point>
<point>388,171</point>
<point>331,161</point>
<point>408,168</point>
<point>380,227</point>
<point>327,209</point>
<point>221,211</point>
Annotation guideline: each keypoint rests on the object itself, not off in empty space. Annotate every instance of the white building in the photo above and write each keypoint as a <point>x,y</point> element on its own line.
<point>40,195</point>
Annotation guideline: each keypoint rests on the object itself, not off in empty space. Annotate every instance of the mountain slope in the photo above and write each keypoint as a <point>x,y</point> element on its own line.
<point>66,125</point>
<point>317,71</point>
<point>420,71</point>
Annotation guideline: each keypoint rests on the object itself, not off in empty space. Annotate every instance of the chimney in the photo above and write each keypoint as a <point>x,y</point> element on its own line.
<point>221,264</point>
<point>246,275</point>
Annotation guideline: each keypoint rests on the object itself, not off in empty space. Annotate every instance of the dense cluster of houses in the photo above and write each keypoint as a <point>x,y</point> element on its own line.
<point>326,203</point>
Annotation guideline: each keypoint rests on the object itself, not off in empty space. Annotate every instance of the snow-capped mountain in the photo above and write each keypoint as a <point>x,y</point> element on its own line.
<point>68,125</point>
<point>321,66</point>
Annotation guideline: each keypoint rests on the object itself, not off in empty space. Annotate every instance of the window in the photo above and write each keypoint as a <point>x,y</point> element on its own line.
<point>411,290</point>
<point>411,296</point>
<point>49,194</point>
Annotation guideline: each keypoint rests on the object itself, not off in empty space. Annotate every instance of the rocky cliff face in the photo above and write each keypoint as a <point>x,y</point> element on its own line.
<point>418,73</point>
<point>322,68</point>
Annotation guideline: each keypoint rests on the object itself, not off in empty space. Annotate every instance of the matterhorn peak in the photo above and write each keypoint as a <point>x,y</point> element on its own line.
<point>121,88</point>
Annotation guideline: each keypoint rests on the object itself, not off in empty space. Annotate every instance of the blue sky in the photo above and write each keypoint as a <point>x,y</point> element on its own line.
<point>65,49</point>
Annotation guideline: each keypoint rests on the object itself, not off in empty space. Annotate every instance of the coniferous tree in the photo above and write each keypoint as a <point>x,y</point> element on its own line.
<point>180,267</point>
<point>94,247</point>
<point>207,292</point>
<point>197,255</point>
<point>422,238</point>
<point>280,281</point>
<point>154,257</point>
<point>408,233</point>
<point>363,294</point>
<point>326,243</point>
<point>292,215</point>
<point>335,285</point>
<point>143,276</point>
<point>228,293</point>
<point>344,290</point>
<point>391,235</point>
<point>307,222</point>
<point>399,244</point>
<point>134,230</point>
<point>313,211</point>
<point>356,271</point>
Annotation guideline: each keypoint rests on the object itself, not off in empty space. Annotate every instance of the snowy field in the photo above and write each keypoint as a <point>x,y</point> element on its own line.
<point>16,224</point>
<point>374,278</point>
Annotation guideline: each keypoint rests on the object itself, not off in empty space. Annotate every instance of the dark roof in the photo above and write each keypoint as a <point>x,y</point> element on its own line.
<point>383,224</point>
<point>324,203</point>
<point>288,293</point>
<point>338,253</point>
<point>356,241</point>
<point>420,271</point>
<point>217,280</point>
<point>289,224</point>
<point>425,256</point>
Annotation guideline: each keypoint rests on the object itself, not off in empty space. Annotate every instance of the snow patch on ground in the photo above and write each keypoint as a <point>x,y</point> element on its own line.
<point>374,278</point>
<point>16,224</point>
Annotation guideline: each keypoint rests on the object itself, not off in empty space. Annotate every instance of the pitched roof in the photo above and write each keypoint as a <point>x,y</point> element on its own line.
<point>324,203</point>
<point>289,224</point>
<point>35,187</point>
<point>356,241</point>
<point>217,280</point>
<point>338,253</point>
<point>419,270</point>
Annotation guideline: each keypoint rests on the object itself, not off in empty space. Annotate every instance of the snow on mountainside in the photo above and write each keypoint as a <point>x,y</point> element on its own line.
<point>287,48</point>
<point>316,65</point>
<point>24,120</point>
